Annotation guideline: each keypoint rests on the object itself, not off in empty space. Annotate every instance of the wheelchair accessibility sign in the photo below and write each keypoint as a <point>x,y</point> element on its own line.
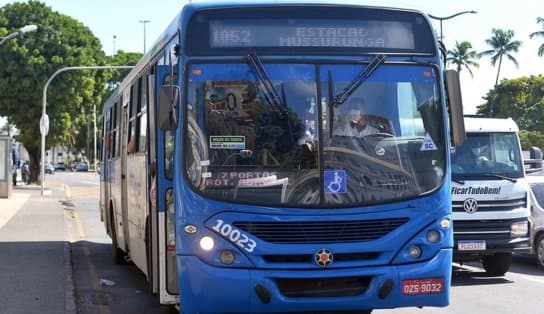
<point>335,181</point>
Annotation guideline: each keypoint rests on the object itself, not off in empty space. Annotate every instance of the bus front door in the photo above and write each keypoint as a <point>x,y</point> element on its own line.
<point>168,279</point>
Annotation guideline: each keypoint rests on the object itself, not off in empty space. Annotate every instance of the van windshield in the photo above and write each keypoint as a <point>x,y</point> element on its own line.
<point>484,154</point>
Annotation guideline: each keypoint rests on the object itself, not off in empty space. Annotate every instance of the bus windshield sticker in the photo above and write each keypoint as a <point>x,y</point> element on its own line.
<point>428,143</point>
<point>205,163</point>
<point>227,142</point>
<point>206,175</point>
<point>335,181</point>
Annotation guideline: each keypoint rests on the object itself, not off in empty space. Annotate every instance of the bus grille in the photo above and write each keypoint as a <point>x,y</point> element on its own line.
<point>322,287</point>
<point>500,205</point>
<point>321,231</point>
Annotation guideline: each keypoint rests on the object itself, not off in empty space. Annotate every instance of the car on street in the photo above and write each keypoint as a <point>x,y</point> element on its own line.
<point>48,168</point>
<point>537,217</point>
<point>60,166</point>
<point>82,166</point>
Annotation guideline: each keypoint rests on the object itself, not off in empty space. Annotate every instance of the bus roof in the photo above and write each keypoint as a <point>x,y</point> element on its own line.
<point>481,124</point>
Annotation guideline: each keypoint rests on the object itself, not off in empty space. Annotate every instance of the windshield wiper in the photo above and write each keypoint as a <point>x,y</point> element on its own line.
<point>492,175</point>
<point>359,79</point>
<point>270,92</point>
<point>462,182</point>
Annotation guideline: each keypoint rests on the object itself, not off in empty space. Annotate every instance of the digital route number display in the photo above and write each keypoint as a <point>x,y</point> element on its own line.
<point>234,33</point>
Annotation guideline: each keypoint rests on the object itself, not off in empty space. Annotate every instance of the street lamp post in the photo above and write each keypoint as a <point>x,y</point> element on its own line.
<point>144,22</point>
<point>114,50</point>
<point>23,30</point>
<point>442,18</point>
<point>44,121</point>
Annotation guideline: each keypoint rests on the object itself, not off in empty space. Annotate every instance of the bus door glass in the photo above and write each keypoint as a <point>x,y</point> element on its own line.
<point>165,176</point>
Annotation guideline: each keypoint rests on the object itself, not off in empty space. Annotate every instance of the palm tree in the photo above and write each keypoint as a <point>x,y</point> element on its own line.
<point>463,57</point>
<point>502,45</point>
<point>539,20</point>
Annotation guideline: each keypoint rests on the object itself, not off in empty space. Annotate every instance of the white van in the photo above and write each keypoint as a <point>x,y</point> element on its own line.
<point>489,195</point>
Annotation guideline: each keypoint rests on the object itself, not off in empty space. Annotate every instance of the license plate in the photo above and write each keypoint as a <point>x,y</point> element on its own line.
<point>474,245</point>
<point>422,286</point>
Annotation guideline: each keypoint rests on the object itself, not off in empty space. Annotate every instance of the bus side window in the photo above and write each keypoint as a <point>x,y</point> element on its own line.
<point>168,154</point>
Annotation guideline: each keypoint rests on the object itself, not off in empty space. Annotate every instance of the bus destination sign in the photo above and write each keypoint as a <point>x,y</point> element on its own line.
<point>234,33</point>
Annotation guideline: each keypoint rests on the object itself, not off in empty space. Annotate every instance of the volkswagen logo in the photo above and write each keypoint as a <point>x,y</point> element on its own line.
<point>470,205</point>
<point>323,257</point>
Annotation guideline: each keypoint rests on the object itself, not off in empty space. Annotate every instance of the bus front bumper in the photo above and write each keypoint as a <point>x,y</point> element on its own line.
<point>209,289</point>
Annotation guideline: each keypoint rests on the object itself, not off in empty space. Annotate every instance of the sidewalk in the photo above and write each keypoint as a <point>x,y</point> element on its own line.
<point>35,266</point>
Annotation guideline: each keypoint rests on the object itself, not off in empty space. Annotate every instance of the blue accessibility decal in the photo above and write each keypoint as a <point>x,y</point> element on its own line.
<point>335,181</point>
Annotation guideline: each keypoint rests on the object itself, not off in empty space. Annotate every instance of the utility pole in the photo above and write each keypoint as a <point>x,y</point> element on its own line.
<point>94,122</point>
<point>144,22</point>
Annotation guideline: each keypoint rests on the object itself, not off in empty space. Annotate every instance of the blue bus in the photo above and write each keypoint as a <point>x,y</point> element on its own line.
<point>285,157</point>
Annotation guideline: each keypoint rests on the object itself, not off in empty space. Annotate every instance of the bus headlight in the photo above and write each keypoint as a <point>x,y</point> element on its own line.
<point>207,243</point>
<point>414,251</point>
<point>519,229</point>
<point>226,257</point>
<point>433,236</point>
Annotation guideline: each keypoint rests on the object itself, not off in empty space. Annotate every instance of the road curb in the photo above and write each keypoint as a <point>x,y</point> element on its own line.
<point>70,304</point>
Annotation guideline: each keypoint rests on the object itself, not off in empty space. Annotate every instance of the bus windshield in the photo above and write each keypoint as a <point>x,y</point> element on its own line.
<point>488,154</point>
<point>275,134</point>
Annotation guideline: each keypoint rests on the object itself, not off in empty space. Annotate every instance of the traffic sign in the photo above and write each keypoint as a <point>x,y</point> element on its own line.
<point>44,124</point>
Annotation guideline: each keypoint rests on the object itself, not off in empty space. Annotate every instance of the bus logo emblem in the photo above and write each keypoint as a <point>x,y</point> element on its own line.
<point>470,205</point>
<point>323,257</point>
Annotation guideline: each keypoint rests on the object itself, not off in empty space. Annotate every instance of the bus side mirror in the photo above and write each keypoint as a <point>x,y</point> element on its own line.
<point>455,101</point>
<point>168,107</point>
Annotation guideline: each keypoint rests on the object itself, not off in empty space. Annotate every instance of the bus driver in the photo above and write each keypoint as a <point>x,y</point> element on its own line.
<point>350,121</point>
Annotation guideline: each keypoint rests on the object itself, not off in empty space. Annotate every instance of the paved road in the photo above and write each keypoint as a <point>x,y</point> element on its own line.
<point>101,286</point>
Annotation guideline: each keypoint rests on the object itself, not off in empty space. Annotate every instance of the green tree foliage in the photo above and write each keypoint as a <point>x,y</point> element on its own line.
<point>27,63</point>
<point>122,58</point>
<point>539,20</point>
<point>522,99</point>
<point>462,56</point>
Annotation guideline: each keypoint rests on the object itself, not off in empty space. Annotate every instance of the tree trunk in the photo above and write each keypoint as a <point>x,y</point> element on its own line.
<point>35,167</point>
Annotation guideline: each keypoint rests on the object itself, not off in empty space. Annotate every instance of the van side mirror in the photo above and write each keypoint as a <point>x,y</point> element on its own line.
<point>455,108</point>
<point>168,107</point>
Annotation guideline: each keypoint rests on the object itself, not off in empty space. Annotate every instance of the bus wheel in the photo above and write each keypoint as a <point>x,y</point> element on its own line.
<point>497,264</point>
<point>169,309</point>
<point>540,250</point>
<point>118,254</point>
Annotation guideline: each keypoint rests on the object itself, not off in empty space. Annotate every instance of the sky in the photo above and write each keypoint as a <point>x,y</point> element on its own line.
<point>118,25</point>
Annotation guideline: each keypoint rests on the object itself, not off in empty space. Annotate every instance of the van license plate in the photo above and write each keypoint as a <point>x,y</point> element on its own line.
<point>473,245</point>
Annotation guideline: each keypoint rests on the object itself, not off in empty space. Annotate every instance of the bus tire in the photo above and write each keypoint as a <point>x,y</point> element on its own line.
<point>497,264</point>
<point>169,309</point>
<point>149,259</point>
<point>117,253</point>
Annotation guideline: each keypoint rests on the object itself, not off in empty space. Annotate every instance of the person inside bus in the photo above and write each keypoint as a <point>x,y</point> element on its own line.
<point>351,119</point>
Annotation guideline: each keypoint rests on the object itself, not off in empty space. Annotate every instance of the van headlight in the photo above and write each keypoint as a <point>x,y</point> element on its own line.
<point>519,229</point>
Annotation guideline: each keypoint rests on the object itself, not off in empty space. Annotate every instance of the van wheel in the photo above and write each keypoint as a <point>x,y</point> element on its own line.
<point>540,250</point>
<point>117,253</point>
<point>497,264</point>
